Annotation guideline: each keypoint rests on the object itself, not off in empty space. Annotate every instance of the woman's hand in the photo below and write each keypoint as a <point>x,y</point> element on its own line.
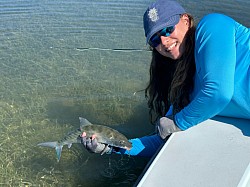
<point>165,127</point>
<point>91,144</point>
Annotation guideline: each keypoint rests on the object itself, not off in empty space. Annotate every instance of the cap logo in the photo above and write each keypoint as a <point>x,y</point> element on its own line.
<point>153,14</point>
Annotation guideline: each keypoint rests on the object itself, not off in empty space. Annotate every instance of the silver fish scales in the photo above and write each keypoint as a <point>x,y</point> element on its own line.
<point>103,134</point>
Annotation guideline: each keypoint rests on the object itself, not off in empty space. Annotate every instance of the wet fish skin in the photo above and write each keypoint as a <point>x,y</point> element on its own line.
<point>103,134</point>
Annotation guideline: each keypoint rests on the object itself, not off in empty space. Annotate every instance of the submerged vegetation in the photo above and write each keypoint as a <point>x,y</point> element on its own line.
<point>44,91</point>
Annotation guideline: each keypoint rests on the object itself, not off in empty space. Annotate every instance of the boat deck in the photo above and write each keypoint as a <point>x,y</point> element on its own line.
<point>215,153</point>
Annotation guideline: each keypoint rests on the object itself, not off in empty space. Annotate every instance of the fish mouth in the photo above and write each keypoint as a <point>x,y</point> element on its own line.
<point>128,148</point>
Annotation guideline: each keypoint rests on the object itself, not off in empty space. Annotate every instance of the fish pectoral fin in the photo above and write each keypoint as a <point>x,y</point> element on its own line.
<point>104,150</point>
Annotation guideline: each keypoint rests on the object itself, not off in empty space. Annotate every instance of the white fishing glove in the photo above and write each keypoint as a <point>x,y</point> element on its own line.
<point>165,127</point>
<point>93,146</point>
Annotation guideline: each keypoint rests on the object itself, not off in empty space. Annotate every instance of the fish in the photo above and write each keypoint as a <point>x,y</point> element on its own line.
<point>103,134</point>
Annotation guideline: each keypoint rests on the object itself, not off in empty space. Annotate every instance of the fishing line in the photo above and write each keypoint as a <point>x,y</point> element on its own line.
<point>138,91</point>
<point>103,49</point>
<point>114,49</point>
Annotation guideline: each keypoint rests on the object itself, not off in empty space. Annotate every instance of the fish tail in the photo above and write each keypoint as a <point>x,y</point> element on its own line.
<point>55,145</point>
<point>58,152</point>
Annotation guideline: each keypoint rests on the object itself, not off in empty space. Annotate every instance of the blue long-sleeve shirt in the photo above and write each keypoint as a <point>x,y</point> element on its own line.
<point>222,78</point>
<point>145,146</point>
<point>221,82</point>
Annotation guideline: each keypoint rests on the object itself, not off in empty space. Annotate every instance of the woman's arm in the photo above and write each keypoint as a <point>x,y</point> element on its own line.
<point>145,146</point>
<point>215,58</point>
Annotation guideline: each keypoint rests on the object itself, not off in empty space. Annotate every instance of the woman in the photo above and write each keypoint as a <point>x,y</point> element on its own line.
<point>195,73</point>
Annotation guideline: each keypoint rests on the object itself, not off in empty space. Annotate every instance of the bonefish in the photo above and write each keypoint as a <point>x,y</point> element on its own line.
<point>103,134</point>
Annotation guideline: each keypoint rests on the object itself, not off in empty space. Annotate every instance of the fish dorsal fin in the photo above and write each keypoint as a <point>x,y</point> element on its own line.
<point>84,122</point>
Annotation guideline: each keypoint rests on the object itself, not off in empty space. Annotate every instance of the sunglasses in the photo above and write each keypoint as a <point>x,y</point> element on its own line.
<point>155,40</point>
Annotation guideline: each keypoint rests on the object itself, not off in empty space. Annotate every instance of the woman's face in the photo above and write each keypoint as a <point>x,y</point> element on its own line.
<point>173,46</point>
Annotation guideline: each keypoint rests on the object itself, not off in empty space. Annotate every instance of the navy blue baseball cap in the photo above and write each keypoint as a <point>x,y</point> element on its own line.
<point>161,14</point>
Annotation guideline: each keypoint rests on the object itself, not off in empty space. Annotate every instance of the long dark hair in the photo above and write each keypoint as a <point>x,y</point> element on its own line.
<point>171,80</point>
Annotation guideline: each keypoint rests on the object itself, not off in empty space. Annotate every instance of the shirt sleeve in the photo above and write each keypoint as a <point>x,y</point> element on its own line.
<point>145,146</point>
<point>215,58</point>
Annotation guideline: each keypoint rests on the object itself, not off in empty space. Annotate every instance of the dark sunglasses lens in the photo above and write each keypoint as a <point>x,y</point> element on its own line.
<point>154,41</point>
<point>167,31</point>
<point>170,29</point>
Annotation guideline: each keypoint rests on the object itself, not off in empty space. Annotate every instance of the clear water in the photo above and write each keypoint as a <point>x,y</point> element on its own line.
<point>61,59</point>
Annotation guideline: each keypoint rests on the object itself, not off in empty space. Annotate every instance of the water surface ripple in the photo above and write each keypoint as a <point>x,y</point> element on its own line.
<point>61,59</point>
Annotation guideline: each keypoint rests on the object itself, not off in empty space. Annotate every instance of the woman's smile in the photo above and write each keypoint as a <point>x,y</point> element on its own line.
<point>170,50</point>
<point>171,46</point>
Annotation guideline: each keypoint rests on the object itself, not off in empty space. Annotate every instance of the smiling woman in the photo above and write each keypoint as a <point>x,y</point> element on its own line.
<point>192,77</point>
<point>195,59</point>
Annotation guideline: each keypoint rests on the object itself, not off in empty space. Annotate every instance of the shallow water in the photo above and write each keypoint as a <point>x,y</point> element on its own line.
<point>61,59</point>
